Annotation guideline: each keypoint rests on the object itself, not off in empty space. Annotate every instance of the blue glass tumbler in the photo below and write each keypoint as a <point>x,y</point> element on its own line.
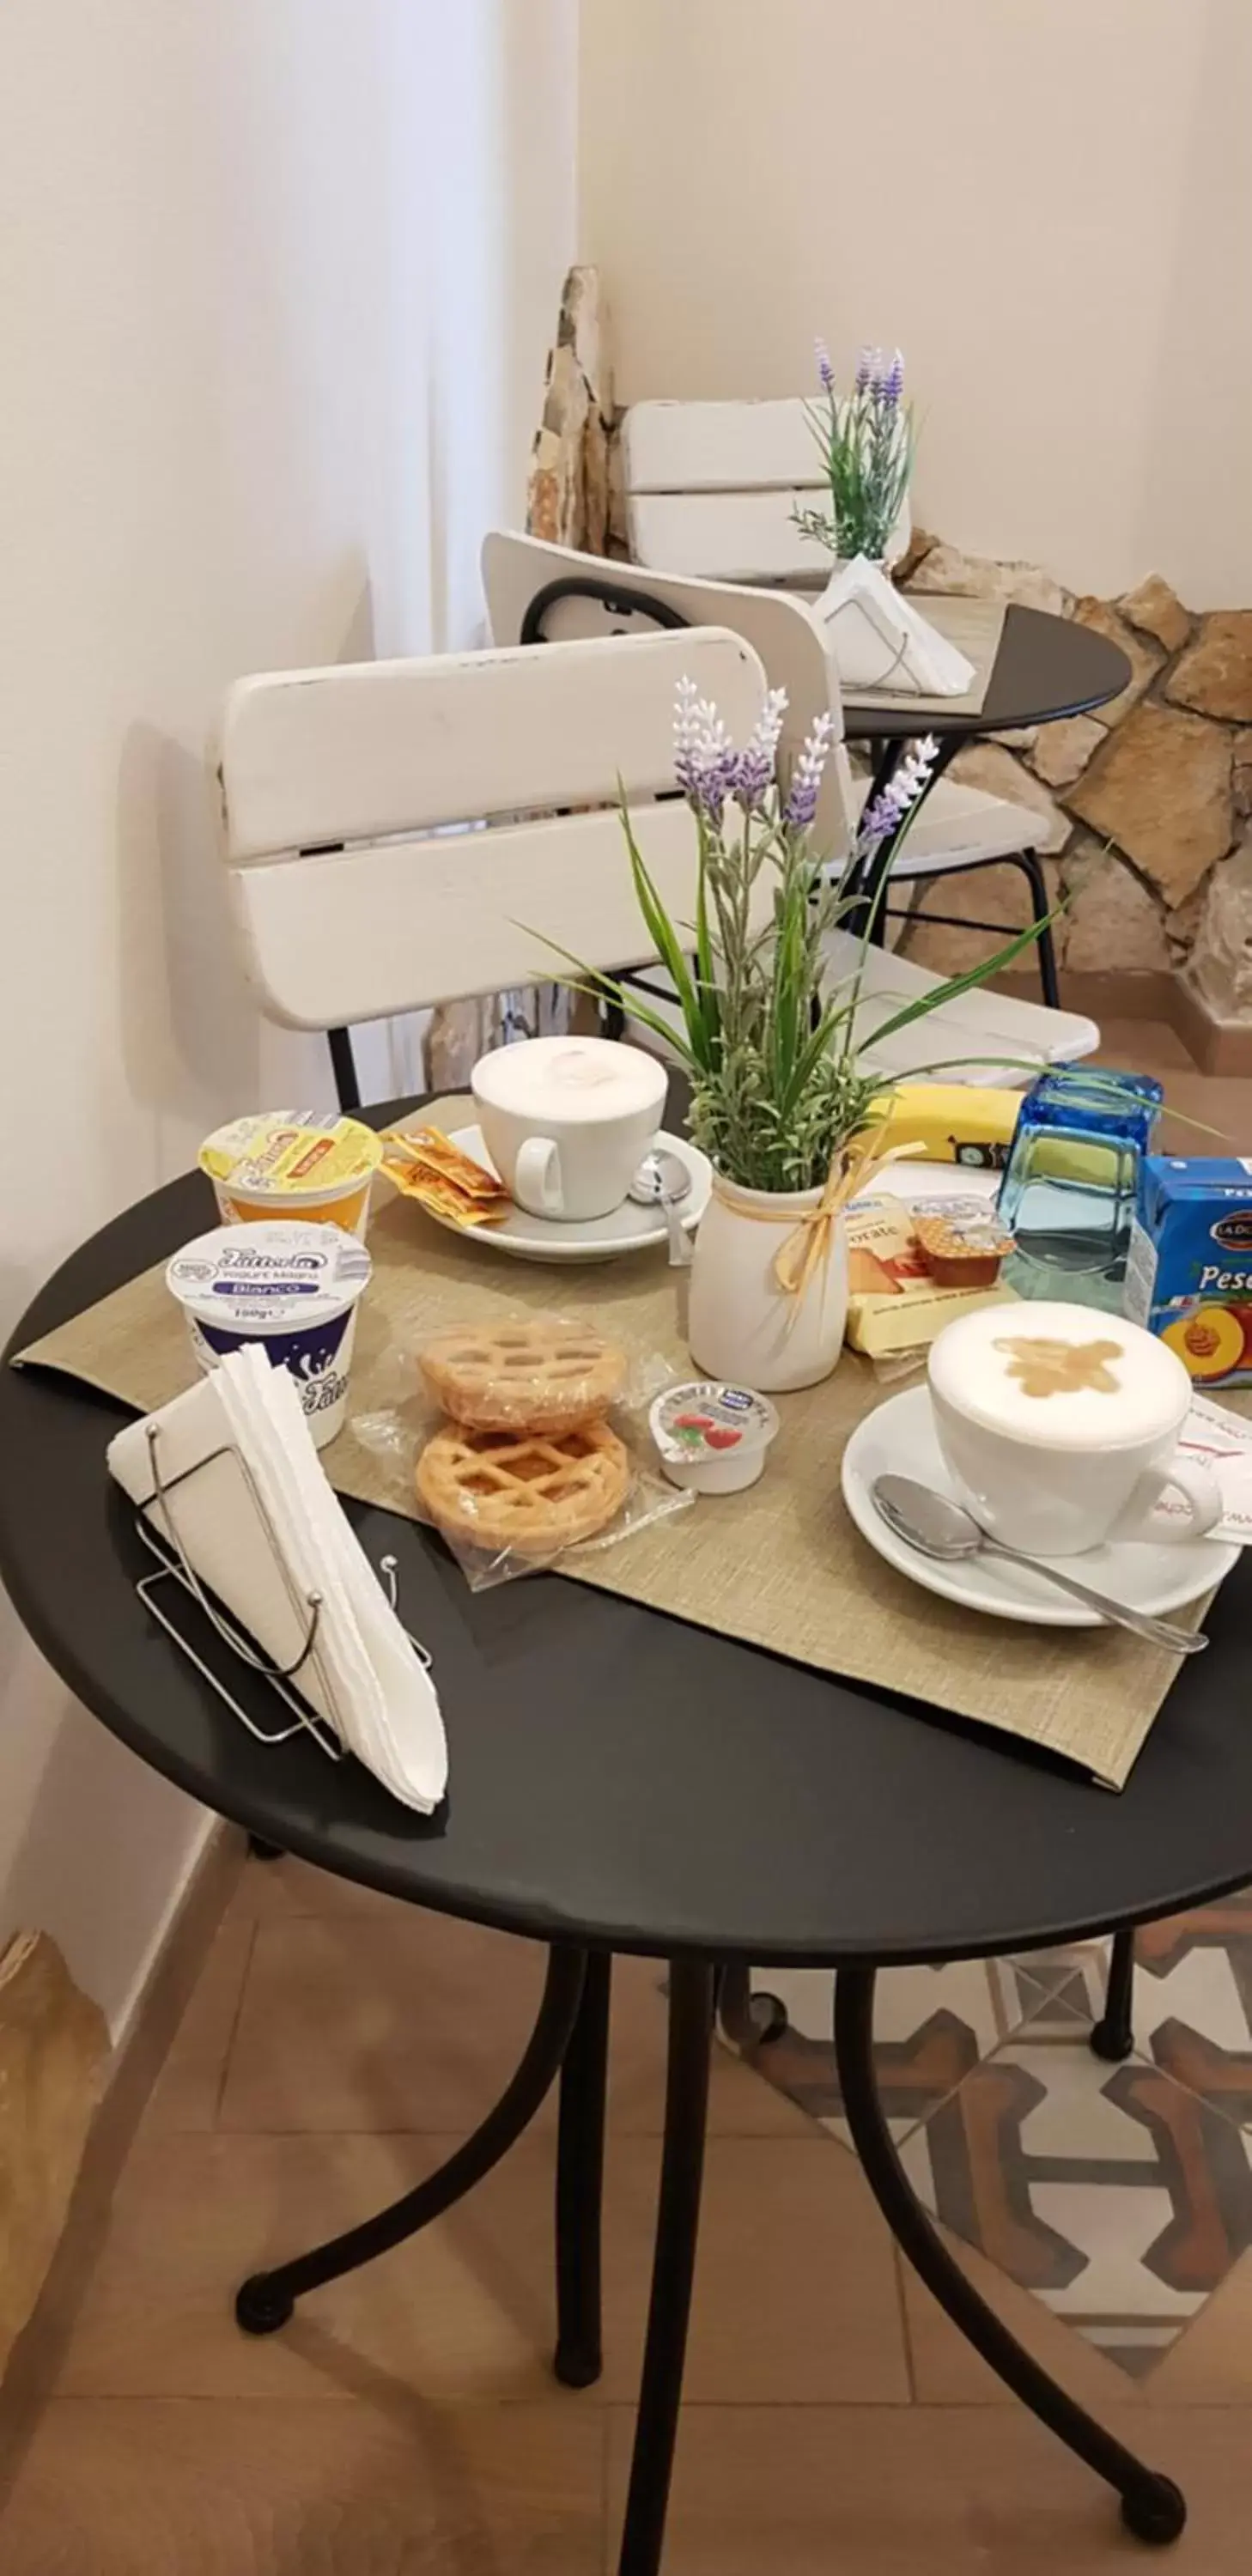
<point>1068,1193</point>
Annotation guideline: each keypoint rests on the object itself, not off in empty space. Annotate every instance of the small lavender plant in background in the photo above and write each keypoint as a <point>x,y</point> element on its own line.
<point>867,440</point>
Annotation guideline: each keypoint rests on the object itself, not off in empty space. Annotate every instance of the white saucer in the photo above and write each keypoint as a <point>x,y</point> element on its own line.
<point>630,1228</point>
<point>1147,1574</point>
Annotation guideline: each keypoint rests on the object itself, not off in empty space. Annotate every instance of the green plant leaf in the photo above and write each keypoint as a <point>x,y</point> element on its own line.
<point>923,1004</point>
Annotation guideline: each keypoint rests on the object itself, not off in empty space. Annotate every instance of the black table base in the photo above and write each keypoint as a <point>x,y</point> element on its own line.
<point>570,2038</point>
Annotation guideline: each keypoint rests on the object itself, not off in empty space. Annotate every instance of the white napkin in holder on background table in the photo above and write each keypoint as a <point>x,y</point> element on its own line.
<point>879,640</point>
<point>246,1503</point>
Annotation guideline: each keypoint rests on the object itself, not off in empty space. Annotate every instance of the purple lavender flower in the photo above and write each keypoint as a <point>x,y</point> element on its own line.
<point>891,383</point>
<point>801,805</point>
<point>705,762</point>
<point>864,370</point>
<point>754,770</point>
<point>824,367</point>
<point>898,797</point>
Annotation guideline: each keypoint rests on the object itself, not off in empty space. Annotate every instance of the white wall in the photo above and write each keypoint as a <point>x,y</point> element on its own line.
<point>276,286</point>
<point>1048,203</point>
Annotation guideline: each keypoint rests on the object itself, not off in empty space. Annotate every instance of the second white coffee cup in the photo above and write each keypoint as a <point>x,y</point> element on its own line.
<point>1059,1427</point>
<point>567,1121</point>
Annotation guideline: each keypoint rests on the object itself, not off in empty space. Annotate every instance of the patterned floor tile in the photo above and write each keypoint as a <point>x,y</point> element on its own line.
<point>1120,2195</point>
<point>931,2026</point>
<point>1115,2194</point>
<point>1192,2004</point>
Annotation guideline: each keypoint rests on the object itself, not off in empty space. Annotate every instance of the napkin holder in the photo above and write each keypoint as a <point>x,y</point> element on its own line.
<point>190,1501</point>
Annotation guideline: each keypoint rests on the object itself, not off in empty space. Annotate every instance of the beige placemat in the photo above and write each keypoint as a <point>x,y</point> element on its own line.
<point>817,1594</point>
<point>975,626</point>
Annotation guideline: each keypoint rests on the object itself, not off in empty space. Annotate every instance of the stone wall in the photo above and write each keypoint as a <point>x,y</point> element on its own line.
<point>1147,801</point>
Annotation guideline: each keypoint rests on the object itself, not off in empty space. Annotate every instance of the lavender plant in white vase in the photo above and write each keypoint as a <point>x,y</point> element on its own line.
<point>783,1099</point>
<point>867,440</point>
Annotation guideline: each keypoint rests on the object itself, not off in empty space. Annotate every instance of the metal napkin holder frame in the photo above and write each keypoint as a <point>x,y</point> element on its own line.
<point>174,1568</point>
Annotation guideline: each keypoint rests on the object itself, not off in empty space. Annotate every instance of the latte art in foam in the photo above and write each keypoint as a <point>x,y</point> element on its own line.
<point>1058,1375</point>
<point>1046,1368</point>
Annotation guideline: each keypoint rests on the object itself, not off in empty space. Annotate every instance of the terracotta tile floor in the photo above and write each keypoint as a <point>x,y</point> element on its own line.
<point>336,2046</point>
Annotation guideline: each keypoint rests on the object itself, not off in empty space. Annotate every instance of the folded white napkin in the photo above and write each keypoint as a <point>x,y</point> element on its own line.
<point>363,1676</point>
<point>880,641</point>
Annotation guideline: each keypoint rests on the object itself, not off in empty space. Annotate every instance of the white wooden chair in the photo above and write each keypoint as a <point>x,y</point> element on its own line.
<point>539,593</point>
<point>356,890</point>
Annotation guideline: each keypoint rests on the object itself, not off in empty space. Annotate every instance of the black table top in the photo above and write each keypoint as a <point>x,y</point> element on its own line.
<point>1046,667</point>
<point>616,1776</point>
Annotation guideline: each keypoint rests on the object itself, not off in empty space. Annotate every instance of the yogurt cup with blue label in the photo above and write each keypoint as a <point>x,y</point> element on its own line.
<point>293,1288</point>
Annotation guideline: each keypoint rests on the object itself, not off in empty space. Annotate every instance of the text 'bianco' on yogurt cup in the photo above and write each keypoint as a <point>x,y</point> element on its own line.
<point>291,1163</point>
<point>293,1288</point>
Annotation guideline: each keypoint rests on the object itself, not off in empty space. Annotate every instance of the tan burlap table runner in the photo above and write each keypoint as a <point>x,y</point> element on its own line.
<point>780,1567</point>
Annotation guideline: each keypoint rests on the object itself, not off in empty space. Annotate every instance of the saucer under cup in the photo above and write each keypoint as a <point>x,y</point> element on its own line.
<point>1059,1427</point>
<point>632,1227</point>
<point>568,1121</point>
<point>1156,1572</point>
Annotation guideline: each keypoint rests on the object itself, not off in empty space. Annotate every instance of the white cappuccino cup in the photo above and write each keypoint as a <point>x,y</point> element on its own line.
<point>1059,1428</point>
<point>568,1121</point>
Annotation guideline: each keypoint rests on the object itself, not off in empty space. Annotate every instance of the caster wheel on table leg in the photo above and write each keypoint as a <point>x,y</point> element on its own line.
<point>1114,2045</point>
<point>576,2369</point>
<point>260,2309</point>
<point>1155,2512</point>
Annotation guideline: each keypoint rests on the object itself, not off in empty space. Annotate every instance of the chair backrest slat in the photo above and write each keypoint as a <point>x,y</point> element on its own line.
<point>387,759</point>
<point>711,488</point>
<point>781,628</point>
<point>720,447</point>
<point>360,933</point>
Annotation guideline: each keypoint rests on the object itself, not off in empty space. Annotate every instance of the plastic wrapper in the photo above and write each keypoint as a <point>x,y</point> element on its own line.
<point>524,1372</point>
<point>528,1438</point>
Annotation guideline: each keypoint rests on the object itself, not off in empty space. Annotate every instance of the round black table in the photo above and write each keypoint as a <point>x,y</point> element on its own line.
<point>623,1782</point>
<point>1047,667</point>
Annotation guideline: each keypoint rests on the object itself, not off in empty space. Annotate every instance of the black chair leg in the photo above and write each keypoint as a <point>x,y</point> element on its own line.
<point>344,1063</point>
<point>1045,949</point>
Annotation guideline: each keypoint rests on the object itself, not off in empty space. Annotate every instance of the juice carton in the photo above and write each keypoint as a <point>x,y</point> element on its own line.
<point>1189,1269</point>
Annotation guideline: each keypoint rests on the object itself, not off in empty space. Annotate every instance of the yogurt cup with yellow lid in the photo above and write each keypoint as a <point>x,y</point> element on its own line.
<point>292,1163</point>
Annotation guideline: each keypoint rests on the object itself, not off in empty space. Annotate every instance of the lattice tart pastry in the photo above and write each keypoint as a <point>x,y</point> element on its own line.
<point>537,1374</point>
<point>531,1493</point>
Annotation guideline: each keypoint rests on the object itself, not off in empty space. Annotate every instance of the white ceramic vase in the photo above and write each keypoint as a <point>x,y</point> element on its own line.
<point>741,1325</point>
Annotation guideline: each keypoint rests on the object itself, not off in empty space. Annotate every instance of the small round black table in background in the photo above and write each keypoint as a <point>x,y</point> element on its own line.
<point>1046,668</point>
<point>623,1782</point>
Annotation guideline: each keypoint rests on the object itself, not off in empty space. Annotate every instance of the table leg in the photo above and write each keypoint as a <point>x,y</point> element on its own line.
<point>1113,2035</point>
<point>1152,2506</point>
<point>580,2182</point>
<point>266,2300</point>
<point>691,1985</point>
